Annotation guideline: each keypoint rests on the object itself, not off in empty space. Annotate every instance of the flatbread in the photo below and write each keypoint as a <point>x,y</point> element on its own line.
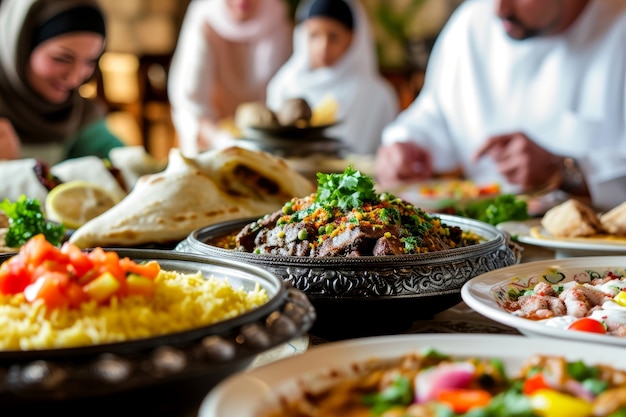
<point>134,162</point>
<point>256,175</point>
<point>571,219</point>
<point>91,169</point>
<point>192,193</point>
<point>18,177</point>
<point>614,220</point>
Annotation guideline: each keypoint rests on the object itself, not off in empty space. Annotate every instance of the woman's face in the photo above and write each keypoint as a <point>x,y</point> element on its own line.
<point>61,64</point>
<point>328,40</point>
<point>243,10</point>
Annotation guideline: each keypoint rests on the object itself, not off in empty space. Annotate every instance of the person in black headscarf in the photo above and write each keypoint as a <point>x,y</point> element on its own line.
<point>49,48</point>
<point>334,60</point>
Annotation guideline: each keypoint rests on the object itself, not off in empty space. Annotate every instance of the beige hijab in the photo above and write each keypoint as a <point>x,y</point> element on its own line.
<point>34,119</point>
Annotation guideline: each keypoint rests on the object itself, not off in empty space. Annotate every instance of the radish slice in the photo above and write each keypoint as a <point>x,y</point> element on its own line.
<point>430,382</point>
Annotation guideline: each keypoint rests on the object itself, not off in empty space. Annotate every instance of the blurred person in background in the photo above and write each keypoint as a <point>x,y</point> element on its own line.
<point>226,53</point>
<point>528,93</point>
<point>334,59</point>
<point>49,48</point>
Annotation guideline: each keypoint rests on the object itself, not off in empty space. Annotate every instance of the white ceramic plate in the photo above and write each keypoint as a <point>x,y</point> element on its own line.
<point>486,293</point>
<point>245,394</point>
<point>521,231</point>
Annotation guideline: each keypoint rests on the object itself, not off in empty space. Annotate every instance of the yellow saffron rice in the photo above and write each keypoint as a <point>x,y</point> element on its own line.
<point>181,302</point>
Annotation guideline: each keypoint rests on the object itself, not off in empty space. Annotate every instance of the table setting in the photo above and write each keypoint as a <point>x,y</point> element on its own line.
<point>342,271</point>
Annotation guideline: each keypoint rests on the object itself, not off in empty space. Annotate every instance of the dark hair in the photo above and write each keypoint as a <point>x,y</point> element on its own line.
<point>78,19</point>
<point>338,10</point>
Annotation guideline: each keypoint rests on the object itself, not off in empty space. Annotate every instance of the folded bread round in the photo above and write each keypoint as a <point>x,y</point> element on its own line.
<point>614,220</point>
<point>191,193</point>
<point>572,218</point>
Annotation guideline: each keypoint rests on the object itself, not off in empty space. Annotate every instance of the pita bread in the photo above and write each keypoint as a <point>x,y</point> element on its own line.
<point>253,174</point>
<point>23,180</point>
<point>193,193</point>
<point>91,169</point>
<point>614,220</point>
<point>134,162</point>
<point>571,219</point>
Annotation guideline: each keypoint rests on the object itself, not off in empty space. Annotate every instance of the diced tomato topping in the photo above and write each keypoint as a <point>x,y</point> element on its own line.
<point>67,276</point>
<point>148,270</point>
<point>49,288</point>
<point>79,261</point>
<point>462,400</point>
<point>14,276</point>
<point>76,295</point>
<point>534,383</point>
<point>37,249</point>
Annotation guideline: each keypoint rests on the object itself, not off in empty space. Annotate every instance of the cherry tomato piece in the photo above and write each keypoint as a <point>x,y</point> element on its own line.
<point>535,383</point>
<point>586,324</point>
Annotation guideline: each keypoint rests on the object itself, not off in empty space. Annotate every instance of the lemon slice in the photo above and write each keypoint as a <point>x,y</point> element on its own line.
<point>325,113</point>
<point>74,203</point>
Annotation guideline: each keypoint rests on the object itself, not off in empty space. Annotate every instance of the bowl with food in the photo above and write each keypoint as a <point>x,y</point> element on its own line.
<point>370,263</point>
<point>154,329</point>
<point>431,375</point>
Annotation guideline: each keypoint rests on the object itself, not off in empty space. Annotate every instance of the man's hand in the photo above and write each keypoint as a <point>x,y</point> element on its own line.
<point>520,160</point>
<point>402,161</point>
<point>9,142</point>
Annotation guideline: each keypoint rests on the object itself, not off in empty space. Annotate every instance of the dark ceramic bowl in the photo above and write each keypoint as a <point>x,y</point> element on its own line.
<point>159,376</point>
<point>365,296</point>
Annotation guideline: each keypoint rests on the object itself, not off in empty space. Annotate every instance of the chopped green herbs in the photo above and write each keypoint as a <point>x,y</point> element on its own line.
<point>397,393</point>
<point>505,207</point>
<point>347,190</point>
<point>27,220</point>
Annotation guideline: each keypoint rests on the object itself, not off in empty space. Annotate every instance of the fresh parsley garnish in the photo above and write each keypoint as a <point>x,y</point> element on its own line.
<point>411,243</point>
<point>26,219</point>
<point>347,190</point>
<point>397,393</point>
<point>496,210</point>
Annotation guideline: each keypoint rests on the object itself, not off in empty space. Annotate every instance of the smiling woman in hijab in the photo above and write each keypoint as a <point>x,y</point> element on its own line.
<point>48,48</point>
<point>227,52</point>
<point>334,56</point>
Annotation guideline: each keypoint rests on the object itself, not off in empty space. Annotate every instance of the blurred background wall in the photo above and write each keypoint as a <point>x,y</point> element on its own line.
<point>142,37</point>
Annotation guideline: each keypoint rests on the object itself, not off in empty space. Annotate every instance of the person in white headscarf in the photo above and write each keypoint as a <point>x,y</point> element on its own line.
<point>227,51</point>
<point>334,56</point>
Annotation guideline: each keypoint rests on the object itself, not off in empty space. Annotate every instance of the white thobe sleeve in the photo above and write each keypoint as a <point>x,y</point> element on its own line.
<point>190,79</point>
<point>424,121</point>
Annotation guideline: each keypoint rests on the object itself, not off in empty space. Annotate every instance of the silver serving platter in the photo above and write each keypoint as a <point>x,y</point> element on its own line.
<point>362,296</point>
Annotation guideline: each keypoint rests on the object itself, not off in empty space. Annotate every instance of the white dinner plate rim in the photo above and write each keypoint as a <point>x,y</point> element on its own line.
<point>519,229</point>
<point>225,398</point>
<point>476,293</point>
